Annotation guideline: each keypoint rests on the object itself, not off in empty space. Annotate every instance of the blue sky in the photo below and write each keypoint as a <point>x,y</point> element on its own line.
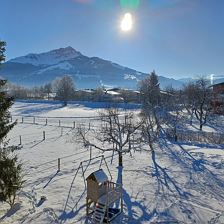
<point>177,38</point>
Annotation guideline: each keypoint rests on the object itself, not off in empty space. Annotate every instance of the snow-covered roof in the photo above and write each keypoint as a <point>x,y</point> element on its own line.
<point>217,84</point>
<point>112,92</point>
<point>87,90</point>
<point>99,176</point>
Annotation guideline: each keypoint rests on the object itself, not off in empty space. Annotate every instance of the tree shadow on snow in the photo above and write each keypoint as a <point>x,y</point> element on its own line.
<point>130,204</point>
<point>198,178</point>
<point>16,207</point>
<point>26,110</point>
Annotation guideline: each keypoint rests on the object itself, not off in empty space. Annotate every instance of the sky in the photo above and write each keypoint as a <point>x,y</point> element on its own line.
<point>176,38</point>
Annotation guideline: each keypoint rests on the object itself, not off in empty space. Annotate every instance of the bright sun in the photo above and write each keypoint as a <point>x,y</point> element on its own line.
<point>127,22</point>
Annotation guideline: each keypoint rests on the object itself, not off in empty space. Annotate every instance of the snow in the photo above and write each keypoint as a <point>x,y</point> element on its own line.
<point>63,65</point>
<point>213,151</point>
<point>130,77</point>
<point>100,176</point>
<point>111,92</point>
<point>49,58</point>
<point>117,65</point>
<point>181,183</point>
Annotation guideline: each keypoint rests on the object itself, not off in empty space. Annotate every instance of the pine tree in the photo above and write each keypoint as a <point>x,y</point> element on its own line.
<point>5,103</point>
<point>10,178</point>
<point>151,115</point>
<point>10,169</point>
<point>150,91</point>
<point>2,50</point>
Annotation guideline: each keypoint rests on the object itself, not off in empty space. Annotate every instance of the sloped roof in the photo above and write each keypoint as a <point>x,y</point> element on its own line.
<point>99,176</point>
<point>218,84</point>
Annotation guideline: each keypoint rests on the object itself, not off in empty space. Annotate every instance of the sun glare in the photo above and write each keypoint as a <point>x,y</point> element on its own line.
<point>127,22</point>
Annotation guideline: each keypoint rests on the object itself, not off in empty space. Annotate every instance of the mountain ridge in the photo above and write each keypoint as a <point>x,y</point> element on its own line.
<point>87,72</point>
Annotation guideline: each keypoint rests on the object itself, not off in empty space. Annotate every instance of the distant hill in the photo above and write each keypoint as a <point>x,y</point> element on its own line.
<point>187,80</point>
<point>87,72</point>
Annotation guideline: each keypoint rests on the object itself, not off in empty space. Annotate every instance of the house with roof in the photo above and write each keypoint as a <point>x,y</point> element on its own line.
<point>218,98</point>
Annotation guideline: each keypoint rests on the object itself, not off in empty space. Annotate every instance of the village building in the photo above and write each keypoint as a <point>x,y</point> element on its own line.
<point>218,98</point>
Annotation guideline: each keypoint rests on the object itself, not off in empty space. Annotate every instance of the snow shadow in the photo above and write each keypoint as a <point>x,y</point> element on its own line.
<point>71,204</point>
<point>89,104</point>
<point>16,207</point>
<point>51,178</point>
<point>36,109</point>
<point>164,180</point>
<point>131,204</point>
<point>197,179</point>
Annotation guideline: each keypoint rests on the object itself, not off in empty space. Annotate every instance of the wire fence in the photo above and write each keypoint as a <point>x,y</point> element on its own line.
<point>196,136</point>
<point>66,122</point>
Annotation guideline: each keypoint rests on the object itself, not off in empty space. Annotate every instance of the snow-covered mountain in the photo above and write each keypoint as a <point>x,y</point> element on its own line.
<point>49,58</point>
<point>87,72</point>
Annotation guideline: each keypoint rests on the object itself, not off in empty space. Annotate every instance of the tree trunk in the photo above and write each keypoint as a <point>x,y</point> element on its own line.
<point>120,163</point>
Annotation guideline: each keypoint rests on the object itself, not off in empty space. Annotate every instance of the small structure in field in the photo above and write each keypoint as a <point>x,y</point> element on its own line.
<point>102,194</point>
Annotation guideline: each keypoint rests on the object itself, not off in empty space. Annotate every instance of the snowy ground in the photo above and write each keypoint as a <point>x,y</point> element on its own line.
<point>181,183</point>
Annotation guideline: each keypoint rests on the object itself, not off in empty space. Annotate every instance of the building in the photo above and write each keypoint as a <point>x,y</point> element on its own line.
<point>218,98</point>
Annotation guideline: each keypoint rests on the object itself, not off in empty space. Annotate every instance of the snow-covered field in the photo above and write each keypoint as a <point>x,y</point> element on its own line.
<point>182,183</point>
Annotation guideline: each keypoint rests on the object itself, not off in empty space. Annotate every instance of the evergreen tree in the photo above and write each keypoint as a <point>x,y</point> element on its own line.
<point>5,103</point>
<point>151,111</point>
<point>2,50</point>
<point>10,169</point>
<point>150,91</point>
<point>10,178</point>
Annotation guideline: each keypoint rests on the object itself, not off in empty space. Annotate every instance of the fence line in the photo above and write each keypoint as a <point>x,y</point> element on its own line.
<point>57,163</point>
<point>66,122</point>
<point>37,136</point>
<point>196,136</point>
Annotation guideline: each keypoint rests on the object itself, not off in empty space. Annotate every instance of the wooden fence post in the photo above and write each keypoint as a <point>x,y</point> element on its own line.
<point>59,164</point>
<point>11,118</point>
<point>89,125</point>
<point>43,135</point>
<point>59,123</point>
<point>46,122</point>
<point>74,124</point>
<point>20,140</point>
<point>22,119</point>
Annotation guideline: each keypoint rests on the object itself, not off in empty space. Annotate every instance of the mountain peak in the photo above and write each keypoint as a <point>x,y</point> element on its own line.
<point>48,58</point>
<point>65,50</point>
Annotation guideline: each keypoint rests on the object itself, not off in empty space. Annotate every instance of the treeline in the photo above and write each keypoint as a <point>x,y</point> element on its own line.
<point>195,97</point>
<point>64,89</point>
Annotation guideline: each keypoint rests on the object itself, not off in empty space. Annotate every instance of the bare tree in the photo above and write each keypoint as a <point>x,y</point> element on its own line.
<point>150,128</point>
<point>18,92</point>
<point>197,100</point>
<point>174,107</point>
<point>99,94</point>
<point>150,96</point>
<point>64,88</point>
<point>203,101</point>
<point>189,99</point>
<point>48,89</point>
<point>117,133</point>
